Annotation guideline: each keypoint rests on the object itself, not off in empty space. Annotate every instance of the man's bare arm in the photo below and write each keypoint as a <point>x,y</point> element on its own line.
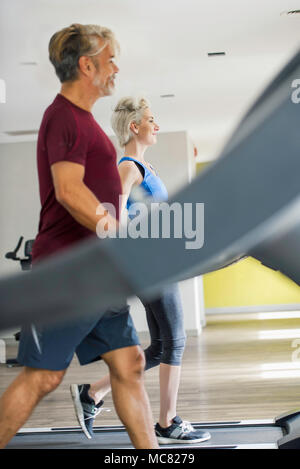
<point>72,193</point>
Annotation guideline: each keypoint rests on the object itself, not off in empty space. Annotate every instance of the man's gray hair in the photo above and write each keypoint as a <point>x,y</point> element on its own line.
<point>69,44</point>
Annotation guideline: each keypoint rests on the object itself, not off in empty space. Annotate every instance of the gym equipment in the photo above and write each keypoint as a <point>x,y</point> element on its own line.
<point>282,433</point>
<point>24,261</point>
<point>12,362</point>
<point>25,265</point>
<point>252,207</point>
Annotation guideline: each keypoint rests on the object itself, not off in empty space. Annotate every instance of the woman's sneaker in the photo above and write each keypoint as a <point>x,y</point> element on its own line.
<point>180,432</point>
<point>85,408</point>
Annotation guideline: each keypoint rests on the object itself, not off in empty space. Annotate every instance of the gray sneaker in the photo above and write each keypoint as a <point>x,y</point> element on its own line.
<point>85,408</point>
<point>180,432</point>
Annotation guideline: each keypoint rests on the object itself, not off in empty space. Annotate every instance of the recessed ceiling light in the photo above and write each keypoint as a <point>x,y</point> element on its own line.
<point>167,95</point>
<point>16,133</point>
<point>28,63</point>
<point>215,54</point>
<point>290,13</point>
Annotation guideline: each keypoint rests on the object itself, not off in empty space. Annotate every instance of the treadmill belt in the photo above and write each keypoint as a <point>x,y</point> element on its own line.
<point>118,439</point>
<point>70,440</point>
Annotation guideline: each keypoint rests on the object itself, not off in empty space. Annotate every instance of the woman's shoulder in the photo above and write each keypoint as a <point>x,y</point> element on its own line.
<point>129,168</point>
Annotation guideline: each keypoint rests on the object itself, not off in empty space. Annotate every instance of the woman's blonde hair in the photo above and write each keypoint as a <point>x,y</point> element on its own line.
<point>127,110</point>
<point>69,44</point>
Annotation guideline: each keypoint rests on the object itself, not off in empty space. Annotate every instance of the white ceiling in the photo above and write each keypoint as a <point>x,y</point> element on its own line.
<point>164,46</point>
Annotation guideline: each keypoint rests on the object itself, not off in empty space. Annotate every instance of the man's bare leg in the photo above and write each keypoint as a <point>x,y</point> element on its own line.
<point>169,377</point>
<point>126,366</point>
<point>22,396</point>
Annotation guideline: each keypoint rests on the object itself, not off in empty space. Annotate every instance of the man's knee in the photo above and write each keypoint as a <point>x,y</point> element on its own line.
<point>44,381</point>
<point>126,364</point>
<point>139,363</point>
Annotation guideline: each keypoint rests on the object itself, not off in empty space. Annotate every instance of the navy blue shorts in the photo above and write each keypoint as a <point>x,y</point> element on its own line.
<point>89,338</point>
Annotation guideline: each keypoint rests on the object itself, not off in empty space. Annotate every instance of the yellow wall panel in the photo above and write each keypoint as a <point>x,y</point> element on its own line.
<point>248,283</point>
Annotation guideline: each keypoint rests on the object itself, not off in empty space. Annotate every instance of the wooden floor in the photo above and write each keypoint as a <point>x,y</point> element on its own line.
<point>233,370</point>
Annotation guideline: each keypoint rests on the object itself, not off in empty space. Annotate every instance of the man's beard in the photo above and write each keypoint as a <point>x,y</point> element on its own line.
<point>107,89</point>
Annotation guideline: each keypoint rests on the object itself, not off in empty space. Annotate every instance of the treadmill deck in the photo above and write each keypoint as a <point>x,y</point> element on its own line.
<point>231,435</point>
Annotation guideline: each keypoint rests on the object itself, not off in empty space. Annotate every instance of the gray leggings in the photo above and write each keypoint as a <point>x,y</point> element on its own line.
<point>165,322</point>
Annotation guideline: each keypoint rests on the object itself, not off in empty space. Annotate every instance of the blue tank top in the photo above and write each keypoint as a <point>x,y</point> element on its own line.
<point>152,184</point>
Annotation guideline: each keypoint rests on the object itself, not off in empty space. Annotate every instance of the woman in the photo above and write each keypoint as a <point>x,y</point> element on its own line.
<point>136,131</point>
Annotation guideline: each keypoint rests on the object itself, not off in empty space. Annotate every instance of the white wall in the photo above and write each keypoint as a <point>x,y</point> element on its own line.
<point>19,198</point>
<point>19,202</point>
<point>173,158</point>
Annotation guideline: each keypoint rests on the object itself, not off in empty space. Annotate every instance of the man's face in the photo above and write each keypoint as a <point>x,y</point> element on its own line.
<point>104,70</point>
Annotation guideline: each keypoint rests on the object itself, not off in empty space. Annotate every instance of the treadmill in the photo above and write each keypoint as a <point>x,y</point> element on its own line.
<point>281,433</point>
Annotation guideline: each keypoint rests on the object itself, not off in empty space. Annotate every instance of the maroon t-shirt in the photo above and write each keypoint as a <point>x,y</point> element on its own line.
<point>69,133</point>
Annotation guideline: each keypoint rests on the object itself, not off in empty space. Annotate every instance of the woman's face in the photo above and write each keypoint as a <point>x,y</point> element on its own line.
<point>147,129</point>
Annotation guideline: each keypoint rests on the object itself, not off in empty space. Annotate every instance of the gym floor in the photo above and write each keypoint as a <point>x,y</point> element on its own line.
<point>240,367</point>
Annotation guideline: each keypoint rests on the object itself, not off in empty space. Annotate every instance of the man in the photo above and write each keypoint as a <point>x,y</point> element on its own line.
<point>77,170</point>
